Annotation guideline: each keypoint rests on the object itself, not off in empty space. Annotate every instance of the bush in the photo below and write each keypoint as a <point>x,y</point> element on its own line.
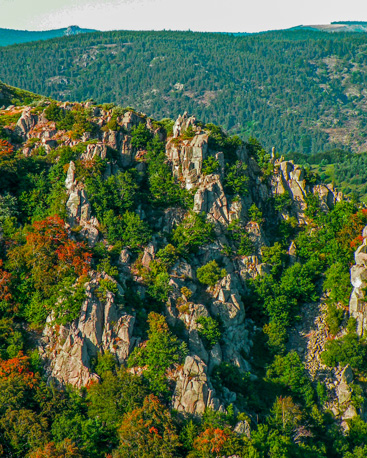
<point>209,331</point>
<point>337,282</point>
<point>161,351</point>
<point>140,137</point>
<point>334,318</point>
<point>210,165</point>
<point>235,181</point>
<point>193,232</point>
<point>275,256</point>
<point>210,274</point>
<point>256,215</point>
<point>350,349</point>
<point>289,372</point>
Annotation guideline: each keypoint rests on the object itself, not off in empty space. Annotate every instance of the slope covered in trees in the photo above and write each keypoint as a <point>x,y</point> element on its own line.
<point>296,90</point>
<point>151,276</point>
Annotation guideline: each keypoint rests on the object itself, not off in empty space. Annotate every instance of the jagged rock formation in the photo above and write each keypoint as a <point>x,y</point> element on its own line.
<point>358,275</point>
<point>70,351</point>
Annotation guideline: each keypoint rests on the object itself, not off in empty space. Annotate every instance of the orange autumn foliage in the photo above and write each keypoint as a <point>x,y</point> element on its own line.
<point>6,149</point>
<point>18,368</point>
<point>148,432</point>
<point>212,440</point>
<point>66,449</point>
<point>50,253</point>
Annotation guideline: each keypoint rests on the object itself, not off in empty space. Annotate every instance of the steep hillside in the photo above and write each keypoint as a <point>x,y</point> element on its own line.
<point>14,96</point>
<point>10,36</point>
<point>298,91</point>
<point>167,290</point>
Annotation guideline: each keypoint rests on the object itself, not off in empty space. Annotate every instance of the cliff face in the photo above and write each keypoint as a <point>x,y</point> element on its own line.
<point>104,325</point>
<point>358,277</point>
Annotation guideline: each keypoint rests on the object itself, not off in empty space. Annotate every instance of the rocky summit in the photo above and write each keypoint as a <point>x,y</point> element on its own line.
<point>168,290</point>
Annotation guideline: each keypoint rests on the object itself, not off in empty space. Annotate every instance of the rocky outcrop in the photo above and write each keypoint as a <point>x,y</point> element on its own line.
<point>70,351</point>
<point>26,122</point>
<point>358,277</point>
<point>193,392</point>
<point>210,198</point>
<point>290,179</point>
<point>78,207</point>
<point>183,122</point>
<point>187,158</point>
<point>229,308</point>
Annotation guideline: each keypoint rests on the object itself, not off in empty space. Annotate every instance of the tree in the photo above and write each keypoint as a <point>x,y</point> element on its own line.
<point>210,274</point>
<point>286,415</point>
<point>148,432</point>
<point>209,330</point>
<point>214,442</point>
<point>235,180</point>
<point>161,351</point>
<point>193,232</point>
<point>115,396</point>
<point>65,449</point>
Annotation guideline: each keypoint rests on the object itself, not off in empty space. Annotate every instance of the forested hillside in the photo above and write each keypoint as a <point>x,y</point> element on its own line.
<point>299,91</point>
<point>171,291</point>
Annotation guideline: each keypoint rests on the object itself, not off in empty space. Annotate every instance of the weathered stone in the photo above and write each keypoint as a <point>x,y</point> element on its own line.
<point>193,393</point>
<point>350,413</point>
<point>242,428</point>
<point>344,393</point>
<point>68,351</point>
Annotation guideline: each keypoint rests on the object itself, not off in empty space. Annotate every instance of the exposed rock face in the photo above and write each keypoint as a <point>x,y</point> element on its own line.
<point>228,306</point>
<point>187,158</point>
<point>26,122</point>
<point>290,178</point>
<point>210,198</point>
<point>358,276</point>
<point>182,124</point>
<point>78,207</point>
<point>193,393</point>
<point>70,351</point>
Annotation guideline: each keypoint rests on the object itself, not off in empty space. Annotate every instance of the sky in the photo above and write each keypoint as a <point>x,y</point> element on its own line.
<point>196,15</point>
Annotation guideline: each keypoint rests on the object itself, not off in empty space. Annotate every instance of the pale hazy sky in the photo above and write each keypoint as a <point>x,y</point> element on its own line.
<point>198,15</point>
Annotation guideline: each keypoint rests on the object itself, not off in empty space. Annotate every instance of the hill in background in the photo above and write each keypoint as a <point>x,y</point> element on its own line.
<point>10,36</point>
<point>298,90</point>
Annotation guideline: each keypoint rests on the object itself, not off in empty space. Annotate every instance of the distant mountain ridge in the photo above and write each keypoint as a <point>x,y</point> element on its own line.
<point>337,26</point>
<point>11,36</point>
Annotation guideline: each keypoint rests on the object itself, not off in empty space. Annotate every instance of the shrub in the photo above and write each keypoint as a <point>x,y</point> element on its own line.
<point>210,165</point>
<point>256,215</point>
<point>289,372</point>
<point>210,274</point>
<point>209,331</point>
<point>193,232</point>
<point>337,282</point>
<point>334,318</point>
<point>235,181</point>
<point>161,351</point>
<point>275,256</point>
<point>350,349</point>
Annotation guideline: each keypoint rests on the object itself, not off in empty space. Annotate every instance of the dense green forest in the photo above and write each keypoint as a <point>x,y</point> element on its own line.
<point>297,90</point>
<point>48,264</point>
